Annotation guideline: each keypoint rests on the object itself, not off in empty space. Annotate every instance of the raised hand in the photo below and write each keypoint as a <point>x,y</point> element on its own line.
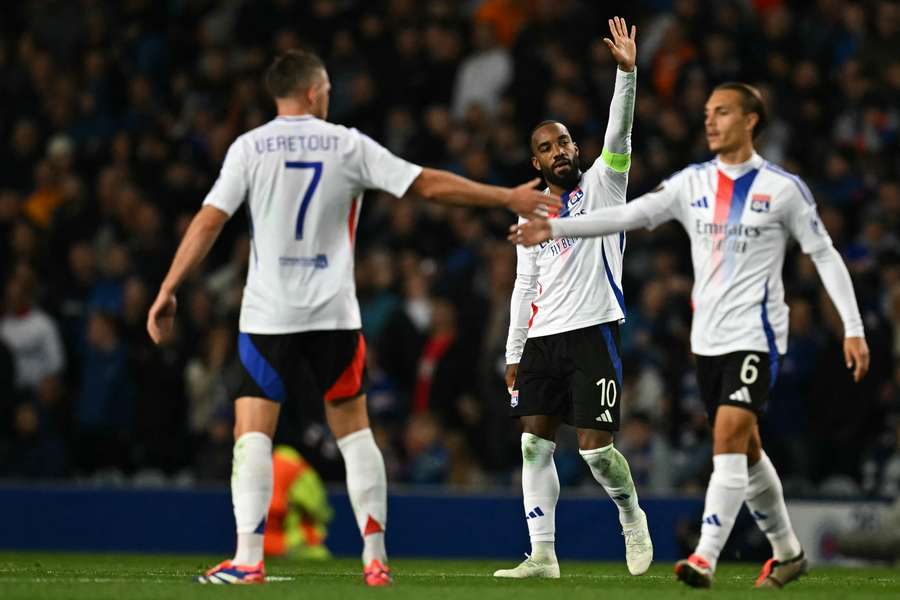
<point>530,232</point>
<point>528,202</point>
<point>622,45</point>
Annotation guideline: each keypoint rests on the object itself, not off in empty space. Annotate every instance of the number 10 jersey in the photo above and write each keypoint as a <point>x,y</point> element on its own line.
<point>303,180</point>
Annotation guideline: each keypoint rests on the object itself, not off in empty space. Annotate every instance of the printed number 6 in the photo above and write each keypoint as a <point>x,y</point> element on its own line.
<point>310,190</point>
<point>749,372</point>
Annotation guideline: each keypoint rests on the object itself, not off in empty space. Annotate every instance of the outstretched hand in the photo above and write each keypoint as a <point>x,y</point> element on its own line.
<point>530,233</point>
<point>622,45</point>
<point>530,203</point>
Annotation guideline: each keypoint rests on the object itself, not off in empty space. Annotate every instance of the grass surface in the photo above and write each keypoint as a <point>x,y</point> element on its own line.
<point>32,575</point>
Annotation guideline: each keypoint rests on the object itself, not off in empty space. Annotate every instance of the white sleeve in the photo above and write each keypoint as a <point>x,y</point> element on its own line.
<point>610,170</point>
<point>648,211</point>
<point>230,189</point>
<point>380,169</point>
<point>839,286</point>
<point>617,142</point>
<point>523,294</point>
<point>802,219</point>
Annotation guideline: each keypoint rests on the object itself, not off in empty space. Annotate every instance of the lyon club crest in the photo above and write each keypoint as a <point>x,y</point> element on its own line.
<point>760,203</point>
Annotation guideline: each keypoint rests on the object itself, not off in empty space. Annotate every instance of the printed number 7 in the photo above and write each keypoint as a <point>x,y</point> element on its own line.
<point>310,190</point>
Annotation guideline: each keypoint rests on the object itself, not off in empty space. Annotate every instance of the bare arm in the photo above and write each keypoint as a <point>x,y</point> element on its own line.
<point>198,239</point>
<point>446,188</point>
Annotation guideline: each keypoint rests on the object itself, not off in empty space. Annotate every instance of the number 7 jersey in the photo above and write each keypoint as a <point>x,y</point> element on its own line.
<point>303,180</point>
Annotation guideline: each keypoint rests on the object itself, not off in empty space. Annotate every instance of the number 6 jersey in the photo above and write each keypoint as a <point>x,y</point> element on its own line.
<point>739,218</point>
<point>303,180</point>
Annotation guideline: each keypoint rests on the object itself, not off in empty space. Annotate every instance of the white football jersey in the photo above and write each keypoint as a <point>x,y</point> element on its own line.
<point>739,219</point>
<point>579,280</point>
<point>303,180</point>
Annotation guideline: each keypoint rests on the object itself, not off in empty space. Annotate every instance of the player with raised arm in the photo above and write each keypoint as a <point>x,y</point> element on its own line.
<point>300,341</point>
<point>562,353</point>
<point>739,211</point>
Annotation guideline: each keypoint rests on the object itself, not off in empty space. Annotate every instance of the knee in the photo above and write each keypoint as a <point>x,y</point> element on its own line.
<point>590,439</point>
<point>754,450</point>
<point>733,431</point>
<point>535,449</point>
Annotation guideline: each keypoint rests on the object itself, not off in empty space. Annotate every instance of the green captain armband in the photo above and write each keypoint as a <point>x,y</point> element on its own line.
<point>616,162</point>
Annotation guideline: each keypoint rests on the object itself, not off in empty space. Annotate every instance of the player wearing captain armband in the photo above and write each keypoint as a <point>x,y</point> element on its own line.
<point>563,353</point>
<point>301,180</point>
<point>739,211</point>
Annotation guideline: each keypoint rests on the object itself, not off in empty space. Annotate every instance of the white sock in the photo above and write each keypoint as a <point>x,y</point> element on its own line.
<point>251,493</point>
<point>540,491</point>
<point>724,496</point>
<point>367,487</point>
<point>610,469</point>
<point>765,499</point>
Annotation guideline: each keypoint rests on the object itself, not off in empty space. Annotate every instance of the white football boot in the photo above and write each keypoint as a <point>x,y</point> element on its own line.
<point>532,567</point>
<point>638,546</point>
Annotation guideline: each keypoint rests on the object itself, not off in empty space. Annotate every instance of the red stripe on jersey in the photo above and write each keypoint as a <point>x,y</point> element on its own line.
<point>349,383</point>
<point>351,221</point>
<point>724,194</point>
<point>534,308</point>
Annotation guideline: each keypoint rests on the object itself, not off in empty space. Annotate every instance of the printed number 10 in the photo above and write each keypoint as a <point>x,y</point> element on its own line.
<point>310,190</point>
<point>608,392</point>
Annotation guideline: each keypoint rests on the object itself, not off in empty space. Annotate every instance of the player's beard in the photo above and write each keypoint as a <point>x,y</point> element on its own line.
<point>567,180</point>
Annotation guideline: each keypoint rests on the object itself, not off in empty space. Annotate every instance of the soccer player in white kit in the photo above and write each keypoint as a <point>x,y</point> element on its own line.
<point>562,353</point>
<point>739,211</point>
<point>302,179</point>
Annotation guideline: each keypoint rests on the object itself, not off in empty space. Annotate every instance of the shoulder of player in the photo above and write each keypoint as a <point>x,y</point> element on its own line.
<point>676,179</point>
<point>787,182</point>
<point>696,168</point>
<point>691,170</point>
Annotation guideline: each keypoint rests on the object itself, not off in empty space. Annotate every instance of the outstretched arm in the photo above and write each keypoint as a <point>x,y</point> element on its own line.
<point>198,239</point>
<point>650,210</point>
<point>446,188</point>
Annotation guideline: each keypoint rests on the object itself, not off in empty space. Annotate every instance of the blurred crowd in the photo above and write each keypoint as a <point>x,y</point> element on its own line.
<point>117,115</point>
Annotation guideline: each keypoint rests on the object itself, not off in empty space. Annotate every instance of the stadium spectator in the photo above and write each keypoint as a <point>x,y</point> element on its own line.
<point>30,333</point>
<point>116,117</point>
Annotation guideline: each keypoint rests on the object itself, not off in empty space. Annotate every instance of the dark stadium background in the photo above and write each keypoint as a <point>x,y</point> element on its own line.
<point>115,118</point>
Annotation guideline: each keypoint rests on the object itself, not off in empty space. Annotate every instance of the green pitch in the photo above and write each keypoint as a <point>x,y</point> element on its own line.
<point>35,576</point>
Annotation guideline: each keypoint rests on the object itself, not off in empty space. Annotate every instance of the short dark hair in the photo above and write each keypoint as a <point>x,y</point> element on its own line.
<point>293,71</point>
<point>751,102</point>
<point>539,125</point>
